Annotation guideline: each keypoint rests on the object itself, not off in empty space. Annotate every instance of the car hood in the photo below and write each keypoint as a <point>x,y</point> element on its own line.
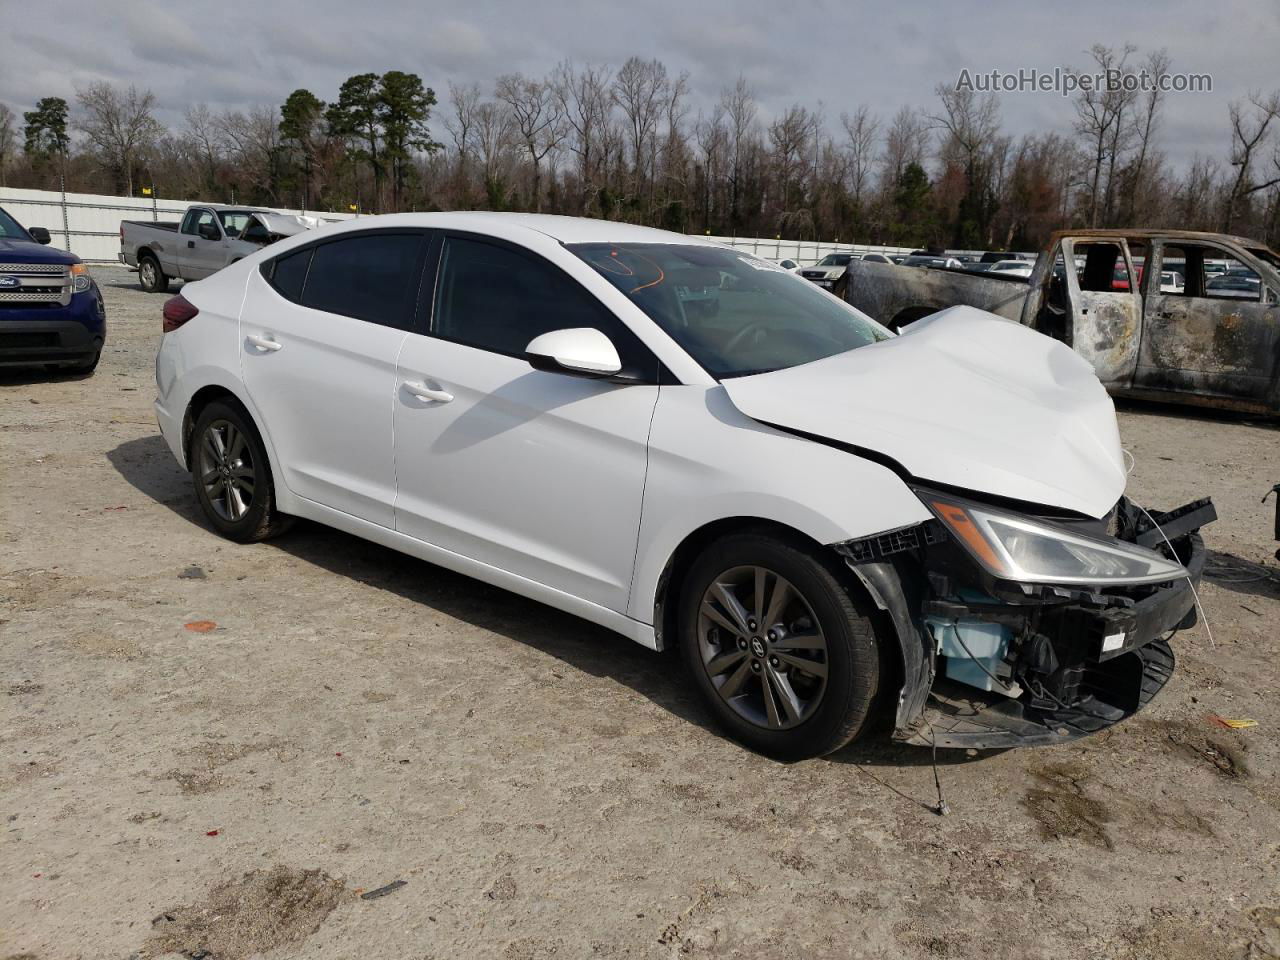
<point>961,398</point>
<point>14,250</point>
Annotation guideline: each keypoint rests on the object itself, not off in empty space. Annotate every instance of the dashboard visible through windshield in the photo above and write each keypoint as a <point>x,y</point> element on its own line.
<point>734,314</point>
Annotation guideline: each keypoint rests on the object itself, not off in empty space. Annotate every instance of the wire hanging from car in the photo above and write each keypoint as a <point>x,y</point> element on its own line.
<point>943,808</point>
<point>1191,583</point>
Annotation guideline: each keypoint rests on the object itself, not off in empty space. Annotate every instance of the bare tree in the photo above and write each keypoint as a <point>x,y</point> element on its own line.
<point>792,135</point>
<point>1250,128</point>
<point>905,143</point>
<point>120,127</point>
<point>494,129</point>
<point>253,139</point>
<point>206,140</point>
<point>584,100</point>
<point>1145,123</point>
<point>1100,120</point>
<point>740,110</point>
<point>461,126</point>
<point>640,90</point>
<point>712,139</point>
<point>862,133</point>
<point>8,141</point>
<point>538,120</point>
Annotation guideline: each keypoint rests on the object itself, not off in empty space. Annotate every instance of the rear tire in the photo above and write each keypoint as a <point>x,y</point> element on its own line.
<point>232,476</point>
<point>151,278</point>
<point>777,645</point>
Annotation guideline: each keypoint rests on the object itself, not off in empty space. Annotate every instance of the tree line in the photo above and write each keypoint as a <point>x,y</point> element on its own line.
<point>625,143</point>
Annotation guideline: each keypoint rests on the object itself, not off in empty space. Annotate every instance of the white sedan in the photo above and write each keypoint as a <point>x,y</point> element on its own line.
<point>1011,268</point>
<point>693,448</point>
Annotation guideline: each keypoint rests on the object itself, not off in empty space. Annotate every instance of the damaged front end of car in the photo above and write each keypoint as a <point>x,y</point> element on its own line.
<point>1022,626</point>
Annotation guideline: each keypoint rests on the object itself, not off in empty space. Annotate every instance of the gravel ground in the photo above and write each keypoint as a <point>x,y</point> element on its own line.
<point>352,717</point>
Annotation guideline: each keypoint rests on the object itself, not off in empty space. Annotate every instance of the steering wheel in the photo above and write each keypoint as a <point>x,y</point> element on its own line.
<point>753,327</point>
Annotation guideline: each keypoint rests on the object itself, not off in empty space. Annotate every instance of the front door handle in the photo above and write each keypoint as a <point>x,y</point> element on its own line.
<point>191,244</point>
<point>262,343</point>
<point>423,392</point>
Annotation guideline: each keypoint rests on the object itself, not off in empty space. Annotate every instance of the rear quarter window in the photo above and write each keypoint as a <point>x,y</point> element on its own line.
<point>287,274</point>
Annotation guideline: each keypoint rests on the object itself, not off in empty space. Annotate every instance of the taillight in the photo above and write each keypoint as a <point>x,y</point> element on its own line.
<point>177,311</point>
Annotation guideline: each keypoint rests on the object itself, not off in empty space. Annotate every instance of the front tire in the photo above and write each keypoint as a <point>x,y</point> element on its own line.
<point>151,278</point>
<point>777,646</point>
<point>232,476</point>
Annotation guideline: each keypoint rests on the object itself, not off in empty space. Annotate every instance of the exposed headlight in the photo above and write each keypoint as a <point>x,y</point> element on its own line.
<point>80,278</point>
<point>1015,547</point>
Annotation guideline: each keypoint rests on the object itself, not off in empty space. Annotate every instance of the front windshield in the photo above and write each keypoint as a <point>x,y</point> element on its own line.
<point>736,315</point>
<point>9,227</point>
<point>835,260</point>
<point>234,221</point>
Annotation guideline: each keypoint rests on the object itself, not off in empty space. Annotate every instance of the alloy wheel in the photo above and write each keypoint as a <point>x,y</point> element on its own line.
<point>148,270</point>
<point>762,647</point>
<point>227,470</point>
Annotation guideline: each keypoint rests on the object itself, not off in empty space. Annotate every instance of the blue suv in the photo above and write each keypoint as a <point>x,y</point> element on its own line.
<point>51,310</point>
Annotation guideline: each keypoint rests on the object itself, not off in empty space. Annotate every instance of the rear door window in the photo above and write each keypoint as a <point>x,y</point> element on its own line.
<point>372,277</point>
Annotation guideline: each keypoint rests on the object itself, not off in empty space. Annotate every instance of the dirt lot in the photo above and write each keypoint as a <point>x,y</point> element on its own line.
<point>544,788</point>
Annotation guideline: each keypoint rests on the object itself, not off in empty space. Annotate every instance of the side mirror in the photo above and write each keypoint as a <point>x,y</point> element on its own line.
<point>584,351</point>
<point>209,231</point>
<point>39,234</point>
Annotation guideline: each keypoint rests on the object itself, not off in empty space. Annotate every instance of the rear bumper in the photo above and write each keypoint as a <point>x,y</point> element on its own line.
<point>53,334</point>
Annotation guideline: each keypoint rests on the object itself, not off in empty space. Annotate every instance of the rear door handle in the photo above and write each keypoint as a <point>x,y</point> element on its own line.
<point>262,343</point>
<point>423,392</point>
<point>190,244</point>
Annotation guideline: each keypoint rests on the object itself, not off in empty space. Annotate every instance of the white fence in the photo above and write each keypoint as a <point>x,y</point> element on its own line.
<point>88,225</point>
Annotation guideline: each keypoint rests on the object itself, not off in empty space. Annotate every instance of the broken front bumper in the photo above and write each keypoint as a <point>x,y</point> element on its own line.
<point>1071,661</point>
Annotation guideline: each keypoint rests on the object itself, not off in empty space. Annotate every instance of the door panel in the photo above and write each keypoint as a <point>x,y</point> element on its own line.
<point>1105,322</point>
<point>537,473</point>
<point>197,256</point>
<point>1197,343</point>
<point>325,398</point>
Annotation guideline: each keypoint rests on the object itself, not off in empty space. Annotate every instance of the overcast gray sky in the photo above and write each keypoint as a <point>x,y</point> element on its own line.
<point>234,53</point>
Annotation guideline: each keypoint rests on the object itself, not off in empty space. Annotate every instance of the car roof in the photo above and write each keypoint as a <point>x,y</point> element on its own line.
<point>566,230</point>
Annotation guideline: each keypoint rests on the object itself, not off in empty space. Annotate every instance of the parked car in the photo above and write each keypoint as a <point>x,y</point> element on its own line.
<point>828,270</point>
<point>208,238</point>
<point>1201,346</point>
<point>786,263</point>
<point>51,310</point>
<point>526,400</point>
<point>1236,287</point>
<point>992,256</point>
<point>931,260</point>
<point>1016,268</point>
<point>875,258</point>
<point>1171,282</point>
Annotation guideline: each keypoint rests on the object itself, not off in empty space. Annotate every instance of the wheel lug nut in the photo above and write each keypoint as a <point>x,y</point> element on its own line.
<point>755,665</point>
<point>742,643</point>
<point>772,635</point>
<point>773,661</point>
<point>751,624</point>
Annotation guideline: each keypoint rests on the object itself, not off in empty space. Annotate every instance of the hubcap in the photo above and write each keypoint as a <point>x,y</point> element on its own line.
<point>762,647</point>
<point>148,272</point>
<point>227,470</point>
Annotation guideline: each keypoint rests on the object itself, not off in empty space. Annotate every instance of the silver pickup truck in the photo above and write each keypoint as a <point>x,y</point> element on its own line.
<point>209,237</point>
<point>1202,341</point>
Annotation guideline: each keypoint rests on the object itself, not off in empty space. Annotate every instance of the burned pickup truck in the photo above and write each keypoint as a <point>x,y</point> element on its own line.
<point>1109,294</point>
